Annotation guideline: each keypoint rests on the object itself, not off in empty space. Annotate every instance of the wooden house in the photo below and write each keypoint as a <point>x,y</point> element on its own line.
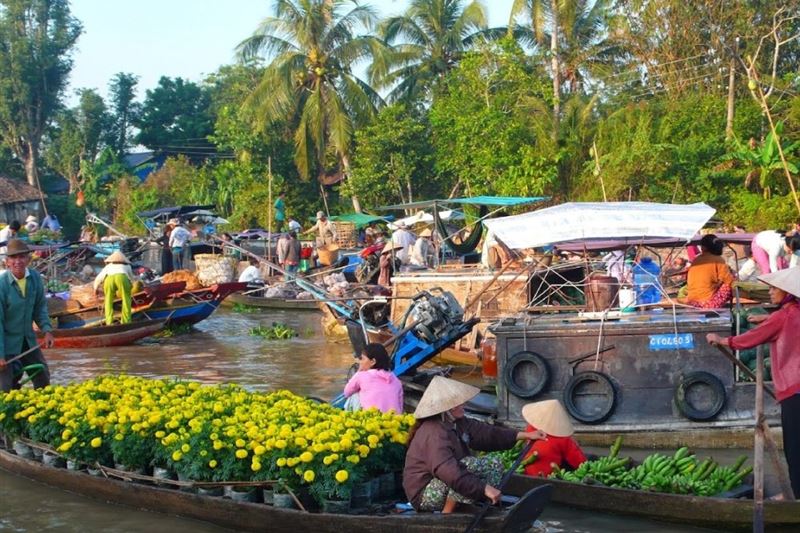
<point>18,200</point>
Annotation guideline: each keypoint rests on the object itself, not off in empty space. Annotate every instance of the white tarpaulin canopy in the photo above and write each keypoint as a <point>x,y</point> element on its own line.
<point>427,218</point>
<point>608,220</point>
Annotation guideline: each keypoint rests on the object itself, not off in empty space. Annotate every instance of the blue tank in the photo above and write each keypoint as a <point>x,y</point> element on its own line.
<point>645,281</point>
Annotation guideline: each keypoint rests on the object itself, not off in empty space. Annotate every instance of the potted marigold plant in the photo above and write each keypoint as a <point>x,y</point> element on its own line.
<point>333,487</point>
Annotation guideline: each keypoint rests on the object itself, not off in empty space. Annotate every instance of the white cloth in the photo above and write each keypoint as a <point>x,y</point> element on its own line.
<point>110,269</point>
<point>179,237</point>
<point>250,274</point>
<point>771,242</point>
<point>5,236</point>
<point>421,253</point>
<point>295,226</point>
<point>31,226</point>
<point>615,266</point>
<point>406,239</point>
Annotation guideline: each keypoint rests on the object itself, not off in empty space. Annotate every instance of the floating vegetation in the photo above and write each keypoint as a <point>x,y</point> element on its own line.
<point>275,332</point>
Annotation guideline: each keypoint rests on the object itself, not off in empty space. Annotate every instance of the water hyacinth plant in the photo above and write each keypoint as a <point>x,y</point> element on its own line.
<point>210,433</point>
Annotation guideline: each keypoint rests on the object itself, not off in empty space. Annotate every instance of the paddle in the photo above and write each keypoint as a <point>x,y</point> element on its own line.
<point>503,481</point>
<point>23,354</point>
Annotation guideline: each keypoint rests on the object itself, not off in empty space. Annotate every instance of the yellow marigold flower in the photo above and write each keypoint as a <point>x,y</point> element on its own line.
<point>309,476</point>
<point>212,463</point>
<point>241,454</point>
<point>306,457</point>
<point>255,466</point>
<point>218,445</point>
<point>260,450</point>
<point>373,440</point>
<point>185,448</point>
<point>281,461</point>
<point>280,444</point>
<point>176,455</point>
<point>342,476</point>
<point>119,436</point>
<point>96,442</point>
<point>240,443</point>
<point>160,434</point>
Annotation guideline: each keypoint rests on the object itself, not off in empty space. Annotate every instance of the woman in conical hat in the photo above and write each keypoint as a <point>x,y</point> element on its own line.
<point>116,278</point>
<point>780,330</point>
<point>560,448</point>
<point>440,470</point>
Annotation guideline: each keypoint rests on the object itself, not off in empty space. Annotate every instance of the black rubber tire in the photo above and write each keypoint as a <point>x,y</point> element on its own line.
<point>700,378</point>
<point>607,389</point>
<point>528,358</point>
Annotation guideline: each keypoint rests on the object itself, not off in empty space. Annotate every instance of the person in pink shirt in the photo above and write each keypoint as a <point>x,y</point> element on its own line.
<point>375,383</point>
<point>780,330</point>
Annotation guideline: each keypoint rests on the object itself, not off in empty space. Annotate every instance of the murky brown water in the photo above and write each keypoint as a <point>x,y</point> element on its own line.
<point>220,350</point>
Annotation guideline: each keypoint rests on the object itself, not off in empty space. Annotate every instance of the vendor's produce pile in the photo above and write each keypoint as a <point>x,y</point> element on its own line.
<point>210,433</point>
<point>680,473</point>
<point>509,456</point>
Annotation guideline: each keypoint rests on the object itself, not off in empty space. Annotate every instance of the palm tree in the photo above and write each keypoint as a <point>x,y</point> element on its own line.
<point>313,45</point>
<point>434,34</point>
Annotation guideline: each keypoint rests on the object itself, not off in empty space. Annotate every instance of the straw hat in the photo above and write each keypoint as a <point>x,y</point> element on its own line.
<point>442,395</point>
<point>320,215</point>
<point>31,218</point>
<point>426,232</point>
<point>787,280</point>
<point>17,247</point>
<point>549,416</point>
<point>117,257</point>
<point>391,246</point>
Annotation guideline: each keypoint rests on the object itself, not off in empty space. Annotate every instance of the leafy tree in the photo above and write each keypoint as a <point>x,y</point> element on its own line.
<point>76,138</point>
<point>36,40</point>
<point>312,45</point>
<point>490,128</point>
<point>433,35</point>
<point>393,161</point>
<point>124,111</point>
<point>175,118</point>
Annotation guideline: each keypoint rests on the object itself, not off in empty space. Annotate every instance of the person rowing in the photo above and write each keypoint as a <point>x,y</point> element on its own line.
<point>440,470</point>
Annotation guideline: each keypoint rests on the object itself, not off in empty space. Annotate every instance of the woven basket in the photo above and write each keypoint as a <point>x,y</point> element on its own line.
<point>346,234</point>
<point>213,268</point>
<point>328,255</point>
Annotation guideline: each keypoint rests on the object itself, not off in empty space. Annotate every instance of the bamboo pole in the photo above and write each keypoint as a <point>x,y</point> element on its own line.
<point>758,447</point>
<point>269,221</point>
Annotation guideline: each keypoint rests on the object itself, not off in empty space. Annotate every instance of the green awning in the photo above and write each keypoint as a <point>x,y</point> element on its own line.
<point>499,201</point>
<point>359,219</point>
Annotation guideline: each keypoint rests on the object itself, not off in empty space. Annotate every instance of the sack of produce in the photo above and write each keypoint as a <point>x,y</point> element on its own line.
<point>192,283</point>
<point>213,268</point>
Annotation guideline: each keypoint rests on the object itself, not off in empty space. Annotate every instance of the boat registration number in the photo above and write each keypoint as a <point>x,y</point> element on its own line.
<point>671,341</point>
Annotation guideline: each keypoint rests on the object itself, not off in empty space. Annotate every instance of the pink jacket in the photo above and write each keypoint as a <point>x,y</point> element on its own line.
<point>377,388</point>
<point>780,331</point>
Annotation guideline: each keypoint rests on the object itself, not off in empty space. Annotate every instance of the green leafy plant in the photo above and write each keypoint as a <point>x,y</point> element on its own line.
<point>276,332</point>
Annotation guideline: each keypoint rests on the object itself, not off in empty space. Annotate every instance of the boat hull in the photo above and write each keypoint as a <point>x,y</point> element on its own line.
<point>271,303</point>
<point>238,516</point>
<point>105,336</point>
<point>718,513</point>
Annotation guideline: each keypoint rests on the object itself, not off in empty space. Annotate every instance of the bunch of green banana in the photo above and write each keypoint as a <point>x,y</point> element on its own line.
<point>509,456</point>
<point>679,473</point>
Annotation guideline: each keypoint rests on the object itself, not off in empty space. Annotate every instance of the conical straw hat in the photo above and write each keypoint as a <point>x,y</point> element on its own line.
<point>391,246</point>
<point>442,395</point>
<point>549,416</point>
<point>787,280</point>
<point>117,257</point>
<point>425,233</point>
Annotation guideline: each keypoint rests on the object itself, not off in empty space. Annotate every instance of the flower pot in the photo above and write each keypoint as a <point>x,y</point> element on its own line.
<point>284,501</point>
<point>163,473</point>
<point>75,465</point>
<point>54,460</point>
<point>268,496</point>
<point>184,477</point>
<point>386,483</point>
<point>38,453</point>
<point>94,471</point>
<point>362,495</point>
<point>22,449</point>
<point>376,488</point>
<point>336,506</point>
<point>126,468</point>
<point>210,491</point>
<point>242,494</point>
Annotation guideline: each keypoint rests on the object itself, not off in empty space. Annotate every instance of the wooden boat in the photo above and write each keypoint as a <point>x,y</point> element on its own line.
<point>242,516</point>
<point>271,303</point>
<point>719,513</point>
<point>104,336</point>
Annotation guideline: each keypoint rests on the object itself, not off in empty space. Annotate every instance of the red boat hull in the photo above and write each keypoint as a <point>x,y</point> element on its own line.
<point>105,336</point>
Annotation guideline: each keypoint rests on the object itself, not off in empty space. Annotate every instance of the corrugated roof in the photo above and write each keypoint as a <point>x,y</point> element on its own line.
<point>13,191</point>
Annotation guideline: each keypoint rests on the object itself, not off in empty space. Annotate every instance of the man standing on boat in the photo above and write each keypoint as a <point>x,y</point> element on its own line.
<point>22,303</point>
<point>179,244</point>
<point>289,254</point>
<point>116,278</point>
<point>280,211</point>
<point>326,233</point>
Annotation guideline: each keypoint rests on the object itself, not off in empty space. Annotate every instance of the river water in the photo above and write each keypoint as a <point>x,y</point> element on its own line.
<point>219,350</point>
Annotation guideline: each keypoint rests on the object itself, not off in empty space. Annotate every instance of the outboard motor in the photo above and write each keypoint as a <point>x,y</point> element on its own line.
<point>435,316</point>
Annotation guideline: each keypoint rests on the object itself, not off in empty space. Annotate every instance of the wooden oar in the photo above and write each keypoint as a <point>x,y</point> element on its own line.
<point>743,367</point>
<point>23,354</point>
<point>503,481</point>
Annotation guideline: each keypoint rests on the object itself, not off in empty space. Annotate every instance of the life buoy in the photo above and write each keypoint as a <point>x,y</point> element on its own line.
<point>536,378</point>
<point>601,387</point>
<point>713,405</point>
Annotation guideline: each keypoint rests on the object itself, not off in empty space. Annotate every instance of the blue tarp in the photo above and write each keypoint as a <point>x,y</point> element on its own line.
<point>499,201</point>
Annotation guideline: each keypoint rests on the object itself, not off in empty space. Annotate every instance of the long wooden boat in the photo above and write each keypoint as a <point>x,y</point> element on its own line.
<point>719,513</point>
<point>271,303</point>
<point>105,336</point>
<point>240,516</point>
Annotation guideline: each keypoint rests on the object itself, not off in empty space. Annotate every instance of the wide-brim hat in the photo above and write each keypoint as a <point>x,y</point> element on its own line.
<point>16,247</point>
<point>787,280</point>
<point>426,232</point>
<point>391,246</point>
<point>549,416</point>
<point>442,395</point>
<point>31,218</point>
<point>117,257</point>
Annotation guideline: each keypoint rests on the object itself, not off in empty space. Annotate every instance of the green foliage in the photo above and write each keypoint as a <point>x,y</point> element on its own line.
<point>275,332</point>
<point>489,126</point>
<point>69,215</point>
<point>244,308</point>
<point>756,213</point>
<point>124,111</point>
<point>393,162</point>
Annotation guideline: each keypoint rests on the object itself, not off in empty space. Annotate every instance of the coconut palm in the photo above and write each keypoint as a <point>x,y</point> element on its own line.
<point>312,46</point>
<point>427,42</point>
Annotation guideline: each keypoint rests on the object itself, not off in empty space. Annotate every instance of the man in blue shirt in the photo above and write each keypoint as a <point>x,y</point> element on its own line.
<point>280,211</point>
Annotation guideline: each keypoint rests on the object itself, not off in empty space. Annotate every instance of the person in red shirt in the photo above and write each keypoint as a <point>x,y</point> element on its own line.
<point>559,448</point>
<point>780,330</point>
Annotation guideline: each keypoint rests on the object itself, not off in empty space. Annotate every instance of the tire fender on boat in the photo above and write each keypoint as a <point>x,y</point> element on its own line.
<point>540,376</point>
<point>693,379</point>
<point>604,388</point>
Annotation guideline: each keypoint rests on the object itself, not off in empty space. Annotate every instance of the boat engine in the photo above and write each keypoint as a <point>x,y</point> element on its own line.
<point>436,316</point>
